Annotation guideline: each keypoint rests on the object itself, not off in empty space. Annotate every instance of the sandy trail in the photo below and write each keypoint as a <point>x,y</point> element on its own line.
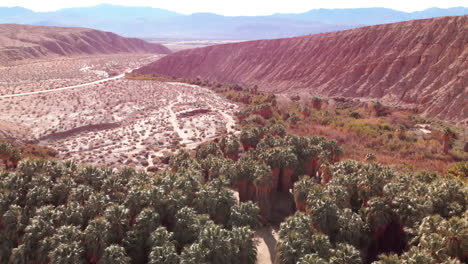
<point>65,88</point>
<point>266,237</point>
<point>85,69</point>
<point>173,119</point>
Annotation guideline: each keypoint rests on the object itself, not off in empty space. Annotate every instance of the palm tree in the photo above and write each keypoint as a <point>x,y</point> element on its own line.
<point>244,214</point>
<point>333,150</point>
<point>115,254</point>
<point>214,167</point>
<point>301,191</point>
<point>20,255</point>
<point>345,254</point>
<point>118,217</point>
<point>67,234</point>
<point>230,147</point>
<point>136,199</point>
<point>250,138</point>
<point>90,176</point>
<point>263,186</point>
<point>187,226</point>
<point>294,239</point>
<point>312,259</point>
<point>215,200</point>
<point>378,214</point>
<point>137,242</point>
<point>277,158</point>
<point>195,253</point>
<point>351,228</point>
<point>94,206</point>
<point>307,153</point>
<point>324,214</point>
<point>37,232</point>
<point>217,242</point>
<point>164,254</point>
<point>72,214</point>
<point>207,149</point>
<point>179,159</point>
<point>271,141</point>
<point>244,171</point>
<point>448,192</point>
<point>97,237</point>
<point>10,230</point>
<point>245,245</point>
<point>444,238</point>
<point>388,259</point>
<point>68,253</point>
<point>290,163</point>
<point>417,256</point>
<point>163,247</point>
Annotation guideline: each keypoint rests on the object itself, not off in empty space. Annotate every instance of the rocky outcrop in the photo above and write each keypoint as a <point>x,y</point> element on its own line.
<point>193,113</point>
<point>420,64</point>
<point>18,42</point>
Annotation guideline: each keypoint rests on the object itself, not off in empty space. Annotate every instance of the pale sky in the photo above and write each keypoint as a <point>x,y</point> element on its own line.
<point>240,7</point>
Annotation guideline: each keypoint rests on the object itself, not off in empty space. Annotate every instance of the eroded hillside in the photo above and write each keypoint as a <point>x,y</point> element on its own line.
<point>19,42</point>
<point>418,64</point>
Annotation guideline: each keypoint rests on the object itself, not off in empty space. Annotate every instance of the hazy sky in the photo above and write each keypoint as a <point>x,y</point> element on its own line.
<point>240,7</point>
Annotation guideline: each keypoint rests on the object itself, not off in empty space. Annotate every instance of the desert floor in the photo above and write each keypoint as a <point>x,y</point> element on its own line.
<point>36,75</point>
<point>177,45</point>
<point>117,122</point>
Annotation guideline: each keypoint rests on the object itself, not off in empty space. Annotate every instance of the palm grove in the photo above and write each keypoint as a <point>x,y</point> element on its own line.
<point>346,212</point>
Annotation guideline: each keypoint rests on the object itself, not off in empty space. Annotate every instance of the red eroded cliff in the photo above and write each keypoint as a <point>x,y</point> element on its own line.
<point>420,64</point>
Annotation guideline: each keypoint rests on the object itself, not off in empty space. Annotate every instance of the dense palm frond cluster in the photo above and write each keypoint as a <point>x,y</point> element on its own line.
<point>63,213</point>
<point>367,210</point>
<point>348,212</point>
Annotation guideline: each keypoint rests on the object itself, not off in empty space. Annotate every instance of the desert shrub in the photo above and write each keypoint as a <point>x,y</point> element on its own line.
<point>355,115</point>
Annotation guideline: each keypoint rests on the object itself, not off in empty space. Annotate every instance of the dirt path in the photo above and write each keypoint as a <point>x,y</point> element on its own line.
<point>86,68</point>
<point>267,237</point>
<point>173,119</point>
<point>64,88</point>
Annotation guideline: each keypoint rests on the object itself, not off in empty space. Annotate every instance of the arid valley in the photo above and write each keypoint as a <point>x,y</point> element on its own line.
<point>119,121</point>
<point>331,136</point>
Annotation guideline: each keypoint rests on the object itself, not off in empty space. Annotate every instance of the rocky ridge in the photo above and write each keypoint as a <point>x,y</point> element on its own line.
<point>419,64</point>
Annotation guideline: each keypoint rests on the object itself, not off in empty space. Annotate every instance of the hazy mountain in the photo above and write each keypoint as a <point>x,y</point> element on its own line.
<point>107,11</point>
<point>150,22</point>
<point>371,16</point>
<point>6,12</point>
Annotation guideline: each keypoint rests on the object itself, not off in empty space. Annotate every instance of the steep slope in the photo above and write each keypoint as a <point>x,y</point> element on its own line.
<point>420,64</point>
<point>18,42</point>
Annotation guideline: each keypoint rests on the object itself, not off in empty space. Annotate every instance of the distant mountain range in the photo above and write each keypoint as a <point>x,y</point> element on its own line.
<point>147,22</point>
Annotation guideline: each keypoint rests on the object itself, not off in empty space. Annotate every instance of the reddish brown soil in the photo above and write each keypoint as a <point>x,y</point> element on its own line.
<point>419,64</point>
<point>18,42</point>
